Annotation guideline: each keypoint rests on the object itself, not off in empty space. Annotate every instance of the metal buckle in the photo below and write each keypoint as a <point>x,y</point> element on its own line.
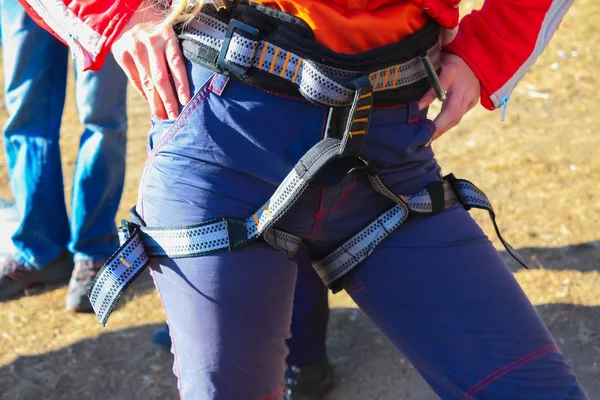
<point>233,25</point>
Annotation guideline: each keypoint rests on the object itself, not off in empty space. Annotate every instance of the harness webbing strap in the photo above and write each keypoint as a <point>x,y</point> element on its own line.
<point>237,47</point>
<point>360,246</point>
<point>121,269</point>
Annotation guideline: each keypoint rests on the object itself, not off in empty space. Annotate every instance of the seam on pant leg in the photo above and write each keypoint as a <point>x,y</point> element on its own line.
<point>171,333</point>
<point>355,289</point>
<point>321,214</point>
<point>318,217</point>
<point>143,185</point>
<point>549,348</point>
<point>273,396</point>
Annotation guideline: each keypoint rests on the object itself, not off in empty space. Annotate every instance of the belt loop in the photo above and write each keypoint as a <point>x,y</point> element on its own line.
<point>413,112</point>
<point>359,116</point>
<point>243,30</point>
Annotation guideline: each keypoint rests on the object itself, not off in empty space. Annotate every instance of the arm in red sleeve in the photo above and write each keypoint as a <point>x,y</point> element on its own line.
<point>88,27</point>
<point>503,40</point>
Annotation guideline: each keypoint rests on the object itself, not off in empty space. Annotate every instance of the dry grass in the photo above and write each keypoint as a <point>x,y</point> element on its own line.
<point>540,167</point>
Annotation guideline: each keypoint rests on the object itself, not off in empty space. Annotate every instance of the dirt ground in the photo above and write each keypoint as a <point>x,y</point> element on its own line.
<point>541,168</point>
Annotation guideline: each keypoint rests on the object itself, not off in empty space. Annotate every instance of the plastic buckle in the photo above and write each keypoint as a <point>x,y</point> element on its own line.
<point>233,25</point>
<point>236,233</point>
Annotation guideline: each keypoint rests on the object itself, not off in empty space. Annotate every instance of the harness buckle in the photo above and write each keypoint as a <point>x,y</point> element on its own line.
<point>357,116</point>
<point>222,63</point>
<point>236,233</point>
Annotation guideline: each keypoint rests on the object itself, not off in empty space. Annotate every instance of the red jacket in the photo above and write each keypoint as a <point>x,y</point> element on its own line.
<point>500,42</point>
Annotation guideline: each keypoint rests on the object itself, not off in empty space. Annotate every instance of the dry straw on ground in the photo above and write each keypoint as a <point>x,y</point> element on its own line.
<point>541,168</point>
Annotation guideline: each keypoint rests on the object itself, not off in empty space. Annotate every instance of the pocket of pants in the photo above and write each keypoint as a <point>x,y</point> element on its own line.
<point>420,118</point>
<point>163,131</point>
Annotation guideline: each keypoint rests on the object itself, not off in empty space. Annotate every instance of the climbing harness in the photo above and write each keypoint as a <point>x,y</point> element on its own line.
<point>282,47</point>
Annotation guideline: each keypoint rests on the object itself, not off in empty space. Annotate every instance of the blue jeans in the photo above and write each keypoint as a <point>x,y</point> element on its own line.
<point>35,78</point>
<point>436,286</point>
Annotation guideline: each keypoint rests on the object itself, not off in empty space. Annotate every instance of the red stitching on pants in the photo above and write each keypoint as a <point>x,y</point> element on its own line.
<point>273,396</point>
<point>215,90</point>
<point>549,348</point>
<point>356,289</point>
<point>355,285</point>
<point>318,223</point>
<point>360,289</point>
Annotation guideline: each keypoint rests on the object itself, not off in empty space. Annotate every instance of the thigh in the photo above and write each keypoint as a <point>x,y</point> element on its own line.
<point>440,291</point>
<point>310,315</point>
<point>229,316</point>
<point>229,313</point>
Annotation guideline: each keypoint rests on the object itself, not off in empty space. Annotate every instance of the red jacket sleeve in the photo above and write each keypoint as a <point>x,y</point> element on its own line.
<point>88,27</point>
<point>503,40</point>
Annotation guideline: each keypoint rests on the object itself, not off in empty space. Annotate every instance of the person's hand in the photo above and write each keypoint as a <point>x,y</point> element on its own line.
<point>462,93</point>
<point>150,55</point>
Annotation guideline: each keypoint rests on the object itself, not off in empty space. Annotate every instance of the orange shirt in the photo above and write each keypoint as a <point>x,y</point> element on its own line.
<point>354,26</point>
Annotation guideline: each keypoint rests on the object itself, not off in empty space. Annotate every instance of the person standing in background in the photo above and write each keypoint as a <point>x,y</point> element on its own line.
<point>49,246</point>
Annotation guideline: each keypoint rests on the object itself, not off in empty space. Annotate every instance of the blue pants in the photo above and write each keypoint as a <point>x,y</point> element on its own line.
<point>436,287</point>
<point>35,78</point>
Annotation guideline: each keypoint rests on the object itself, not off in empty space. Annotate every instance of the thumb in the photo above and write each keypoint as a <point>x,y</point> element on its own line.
<point>427,99</point>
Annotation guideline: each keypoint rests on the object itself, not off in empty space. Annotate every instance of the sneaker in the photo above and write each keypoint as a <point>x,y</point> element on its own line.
<point>161,338</point>
<point>16,277</point>
<point>77,296</point>
<point>308,382</point>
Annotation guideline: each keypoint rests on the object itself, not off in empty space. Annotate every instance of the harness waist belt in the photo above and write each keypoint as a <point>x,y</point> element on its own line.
<point>232,47</point>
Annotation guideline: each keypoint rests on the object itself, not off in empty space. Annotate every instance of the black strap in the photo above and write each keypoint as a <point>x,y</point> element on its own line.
<point>475,198</point>
<point>359,116</point>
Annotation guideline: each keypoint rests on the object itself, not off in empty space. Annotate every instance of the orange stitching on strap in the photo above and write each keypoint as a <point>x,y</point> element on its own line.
<point>261,60</point>
<point>125,262</point>
<point>357,133</point>
<point>274,60</point>
<point>300,60</point>
<point>385,78</point>
<point>357,120</point>
<point>256,220</point>
<point>378,78</point>
<point>395,78</point>
<point>363,108</point>
<point>364,96</point>
<point>285,64</point>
